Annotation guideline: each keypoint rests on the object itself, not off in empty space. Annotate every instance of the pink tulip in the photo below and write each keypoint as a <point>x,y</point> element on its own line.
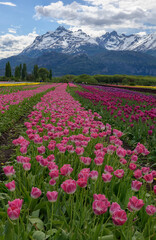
<point>129,207</point>
<point>154,189</point>
<point>151,210</point>
<point>52,166</point>
<point>148,178</point>
<point>99,153</point>
<point>85,160</point>
<point>20,159</point>
<point>94,135</point>
<point>38,158</point>
<point>23,150</point>
<point>27,166</point>
<point>134,158</point>
<point>69,186</point>
<point>66,170</point>
<point>119,173</point>
<point>51,158</point>
<point>84,173</point>
<point>98,161</point>
<point>121,152</point>
<point>51,147</point>
<point>111,149</point>
<point>82,182</point>
<point>70,148</point>
<point>108,169</point>
<point>117,133</point>
<point>101,197</point>
<point>13,213</point>
<point>150,132</point>
<point>35,192</point>
<point>9,171</point>
<point>136,185</point>
<point>138,174</point>
<point>54,174</point>
<point>129,152</point>
<point>107,177</point>
<point>52,196</point>
<point>99,207</point>
<point>93,175</point>
<point>62,149</point>
<point>153,173</point>
<point>79,150</point>
<point>114,207</point>
<point>41,149</point>
<point>123,161</point>
<point>119,217</point>
<point>11,186</point>
<point>132,166</point>
<point>43,162</point>
<point>139,148</point>
<point>17,203</point>
<point>99,146</point>
<point>135,203</point>
<point>52,182</point>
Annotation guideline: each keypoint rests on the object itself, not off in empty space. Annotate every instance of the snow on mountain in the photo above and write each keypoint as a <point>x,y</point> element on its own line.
<point>66,41</point>
<point>62,39</point>
<point>133,42</point>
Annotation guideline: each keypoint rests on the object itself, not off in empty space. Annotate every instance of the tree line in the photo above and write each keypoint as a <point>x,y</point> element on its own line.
<point>20,73</point>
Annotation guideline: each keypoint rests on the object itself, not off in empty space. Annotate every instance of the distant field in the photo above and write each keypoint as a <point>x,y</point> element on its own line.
<point>3,84</point>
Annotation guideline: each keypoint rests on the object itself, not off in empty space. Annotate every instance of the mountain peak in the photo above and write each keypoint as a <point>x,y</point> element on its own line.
<point>114,33</point>
<point>61,28</point>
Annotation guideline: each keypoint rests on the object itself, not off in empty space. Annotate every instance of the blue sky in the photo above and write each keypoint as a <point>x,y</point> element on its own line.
<point>21,21</point>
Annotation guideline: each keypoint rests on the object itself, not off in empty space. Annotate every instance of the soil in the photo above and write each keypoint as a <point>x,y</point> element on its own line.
<point>7,149</point>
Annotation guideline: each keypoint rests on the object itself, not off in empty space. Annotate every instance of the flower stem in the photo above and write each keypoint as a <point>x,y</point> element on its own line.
<point>52,209</point>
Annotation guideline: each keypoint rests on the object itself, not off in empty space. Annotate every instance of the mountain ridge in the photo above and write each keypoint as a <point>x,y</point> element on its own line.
<point>68,52</point>
<point>73,42</point>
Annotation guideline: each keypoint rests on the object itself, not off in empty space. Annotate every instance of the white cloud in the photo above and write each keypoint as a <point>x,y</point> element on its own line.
<point>11,30</point>
<point>13,44</point>
<point>96,16</point>
<point>8,4</point>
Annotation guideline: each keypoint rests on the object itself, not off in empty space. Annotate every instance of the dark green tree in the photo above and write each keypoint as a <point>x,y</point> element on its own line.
<point>50,74</point>
<point>35,72</point>
<point>43,73</point>
<point>20,67</point>
<point>17,72</point>
<point>24,71</point>
<point>8,70</point>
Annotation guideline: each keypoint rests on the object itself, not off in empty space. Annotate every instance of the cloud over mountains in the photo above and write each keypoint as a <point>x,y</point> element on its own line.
<point>94,16</point>
<point>13,44</point>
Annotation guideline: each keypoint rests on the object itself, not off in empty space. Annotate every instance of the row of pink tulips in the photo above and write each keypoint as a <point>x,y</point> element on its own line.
<point>15,98</point>
<point>71,158</point>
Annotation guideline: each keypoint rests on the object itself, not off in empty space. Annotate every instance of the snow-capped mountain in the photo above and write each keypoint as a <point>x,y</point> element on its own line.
<point>69,52</point>
<point>62,40</point>
<point>133,42</point>
<point>70,42</point>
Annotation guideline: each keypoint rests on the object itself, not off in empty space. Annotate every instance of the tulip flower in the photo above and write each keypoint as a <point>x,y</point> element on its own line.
<point>135,203</point>
<point>119,217</point>
<point>69,186</point>
<point>150,210</point>
<point>35,192</point>
<point>52,196</point>
<point>11,186</point>
<point>9,171</point>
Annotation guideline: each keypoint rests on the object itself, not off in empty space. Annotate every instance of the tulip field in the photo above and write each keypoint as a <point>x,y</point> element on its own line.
<point>73,176</point>
<point>132,112</point>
